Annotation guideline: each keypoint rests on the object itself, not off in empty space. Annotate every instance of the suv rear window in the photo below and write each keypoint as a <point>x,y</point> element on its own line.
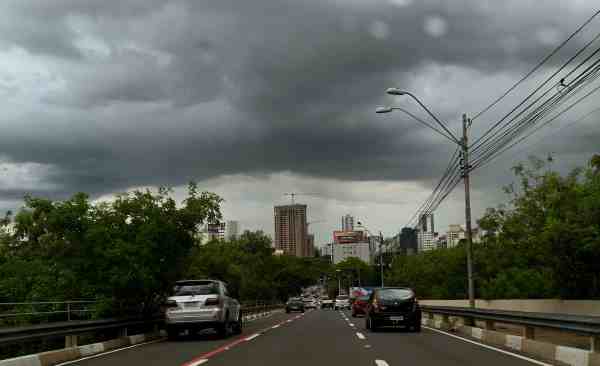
<point>196,288</point>
<point>395,294</point>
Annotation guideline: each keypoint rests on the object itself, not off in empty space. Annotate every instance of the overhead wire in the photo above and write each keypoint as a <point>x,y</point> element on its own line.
<point>537,67</point>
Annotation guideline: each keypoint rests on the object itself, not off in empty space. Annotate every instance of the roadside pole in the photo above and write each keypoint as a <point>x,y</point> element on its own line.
<point>465,169</point>
<point>381,256</point>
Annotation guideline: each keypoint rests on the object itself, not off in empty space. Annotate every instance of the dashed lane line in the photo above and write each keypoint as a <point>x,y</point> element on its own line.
<point>490,347</point>
<point>381,363</point>
<point>360,335</point>
<point>252,337</point>
<point>199,362</point>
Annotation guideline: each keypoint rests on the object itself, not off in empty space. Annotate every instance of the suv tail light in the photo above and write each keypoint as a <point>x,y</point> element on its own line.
<point>212,301</point>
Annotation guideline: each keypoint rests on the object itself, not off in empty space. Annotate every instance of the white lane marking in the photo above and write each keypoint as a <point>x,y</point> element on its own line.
<point>492,348</point>
<point>351,324</point>
<point>252,337</point>
<point>360,335</point>
<point>107,353</point>
<point>199,362</point>
<point>381,363</point>
<point>289,321</point>
<point>275,326</point>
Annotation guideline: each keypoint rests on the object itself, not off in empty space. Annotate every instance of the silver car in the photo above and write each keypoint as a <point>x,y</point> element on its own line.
<point>201,304</point>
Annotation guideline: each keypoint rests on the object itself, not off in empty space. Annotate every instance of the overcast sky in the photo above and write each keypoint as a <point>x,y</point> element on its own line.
<point>256,98</point>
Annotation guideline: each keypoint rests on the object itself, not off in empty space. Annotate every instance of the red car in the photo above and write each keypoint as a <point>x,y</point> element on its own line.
<point>359,306</point>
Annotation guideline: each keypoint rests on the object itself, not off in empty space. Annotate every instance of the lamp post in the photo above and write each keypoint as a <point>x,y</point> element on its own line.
<point>339,281</point>
<point>380,249</point>
<point>463,144</point>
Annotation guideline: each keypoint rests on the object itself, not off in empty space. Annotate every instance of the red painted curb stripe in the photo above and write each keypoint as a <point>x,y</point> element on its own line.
<point>227,346</point>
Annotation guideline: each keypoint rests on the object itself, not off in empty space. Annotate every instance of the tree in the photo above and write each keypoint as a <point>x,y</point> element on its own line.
<point>125,253</point>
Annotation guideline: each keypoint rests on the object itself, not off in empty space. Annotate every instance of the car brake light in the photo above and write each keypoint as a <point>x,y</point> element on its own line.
<point>212,301</point>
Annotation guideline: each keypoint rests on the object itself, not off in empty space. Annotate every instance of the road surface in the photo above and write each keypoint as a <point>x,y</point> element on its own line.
<point>319,337</point>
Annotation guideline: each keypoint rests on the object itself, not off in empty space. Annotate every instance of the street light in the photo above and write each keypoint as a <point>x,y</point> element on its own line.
<point>380,249</point>
<point>339,281</point>
<point>463,144</point>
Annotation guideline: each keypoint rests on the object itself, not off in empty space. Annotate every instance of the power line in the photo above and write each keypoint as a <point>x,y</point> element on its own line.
<point>497,153</point>
<point>540,64</point>
<point>548,79</point>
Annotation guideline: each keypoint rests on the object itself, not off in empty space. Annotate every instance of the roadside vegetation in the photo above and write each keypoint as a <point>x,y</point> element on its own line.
<point>543,243</point>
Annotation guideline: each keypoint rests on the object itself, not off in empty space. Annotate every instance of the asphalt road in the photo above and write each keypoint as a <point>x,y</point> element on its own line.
<point>320,337</point>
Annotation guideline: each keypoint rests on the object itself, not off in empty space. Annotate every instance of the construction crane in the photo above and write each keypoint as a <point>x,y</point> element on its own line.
<point>294,194</point>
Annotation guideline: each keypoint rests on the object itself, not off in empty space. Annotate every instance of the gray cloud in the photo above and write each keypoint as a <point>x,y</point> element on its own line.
<point>141,92</point>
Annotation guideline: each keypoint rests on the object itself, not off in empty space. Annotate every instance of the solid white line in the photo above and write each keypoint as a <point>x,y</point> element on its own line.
<point>360,335</point>
<point>492,348</point>
<point>109,352</point>
<point>275,326</point>
<point>381,363</point>
<point>252,337</point>
<point>199,362</point>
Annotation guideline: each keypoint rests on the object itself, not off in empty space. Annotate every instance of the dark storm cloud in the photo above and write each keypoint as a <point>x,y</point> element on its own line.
<point>155,92</point>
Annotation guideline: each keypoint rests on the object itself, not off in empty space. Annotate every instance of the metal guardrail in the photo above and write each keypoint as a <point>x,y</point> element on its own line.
<point>11,311</point>
<point>566,322</point>
<point>76,327</point>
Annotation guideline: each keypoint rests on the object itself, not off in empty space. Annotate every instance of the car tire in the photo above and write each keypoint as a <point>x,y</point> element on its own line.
<point>239,325</point>
<point>353,314</point>
<point>417,328</point>
<point>172,333</point>
<point>287,311</point>
<point>224,328</point>
<point>372,325</point>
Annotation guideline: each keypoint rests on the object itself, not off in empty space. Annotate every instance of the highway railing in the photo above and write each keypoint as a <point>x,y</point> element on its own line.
<point>71,329</point>
<point>529,321</point>
<point>15,313</point>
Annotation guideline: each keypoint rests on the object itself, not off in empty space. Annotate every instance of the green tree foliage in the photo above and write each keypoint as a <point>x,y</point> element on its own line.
<point>545,242</point>
<point>126,253</point>
<point>251,270</point>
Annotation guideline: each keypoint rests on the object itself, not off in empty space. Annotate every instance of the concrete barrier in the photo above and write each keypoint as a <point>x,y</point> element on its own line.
<point>51,358</point>
<point>559,355</point>
<point>557,306</point>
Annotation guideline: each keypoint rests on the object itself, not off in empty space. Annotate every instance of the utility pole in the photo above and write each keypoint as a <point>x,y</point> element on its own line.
<point>465,170</point>
<point>381,256</point>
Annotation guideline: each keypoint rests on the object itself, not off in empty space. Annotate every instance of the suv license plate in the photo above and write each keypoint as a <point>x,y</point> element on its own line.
<point>396,318</point>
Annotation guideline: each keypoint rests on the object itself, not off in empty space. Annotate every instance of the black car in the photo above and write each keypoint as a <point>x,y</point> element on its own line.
<point>294,305</point>
<point>393,307</point>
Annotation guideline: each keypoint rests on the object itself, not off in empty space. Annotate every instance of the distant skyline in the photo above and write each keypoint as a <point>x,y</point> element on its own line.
<point>253,99</point>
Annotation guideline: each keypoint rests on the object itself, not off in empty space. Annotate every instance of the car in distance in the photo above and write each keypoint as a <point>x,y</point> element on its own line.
<point>342,302</point>
<point>326,303</point>
<point>201,304</point>
<point>294,304</point>
<point>359,306</point>
<point>310,303</point>
<point>393,307</point>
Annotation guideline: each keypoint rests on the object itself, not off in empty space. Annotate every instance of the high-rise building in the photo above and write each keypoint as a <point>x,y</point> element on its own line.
<point>359,250</point>
<point>408,241</point>
<point>309,249</point>
<point>231,230</point>
<point>427,241</point>
<point>347,223</point>
<point>455,234</point>
<point>291,234</point>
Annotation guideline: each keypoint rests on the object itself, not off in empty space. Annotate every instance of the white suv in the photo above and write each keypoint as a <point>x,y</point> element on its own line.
<point>342,302</point>
<point>201,304</point>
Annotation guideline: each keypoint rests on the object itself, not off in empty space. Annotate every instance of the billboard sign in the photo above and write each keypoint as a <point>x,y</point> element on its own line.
<point>348,237</point>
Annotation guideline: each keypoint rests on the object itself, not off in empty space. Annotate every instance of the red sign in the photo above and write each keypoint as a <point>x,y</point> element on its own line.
<point>349,237</point>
